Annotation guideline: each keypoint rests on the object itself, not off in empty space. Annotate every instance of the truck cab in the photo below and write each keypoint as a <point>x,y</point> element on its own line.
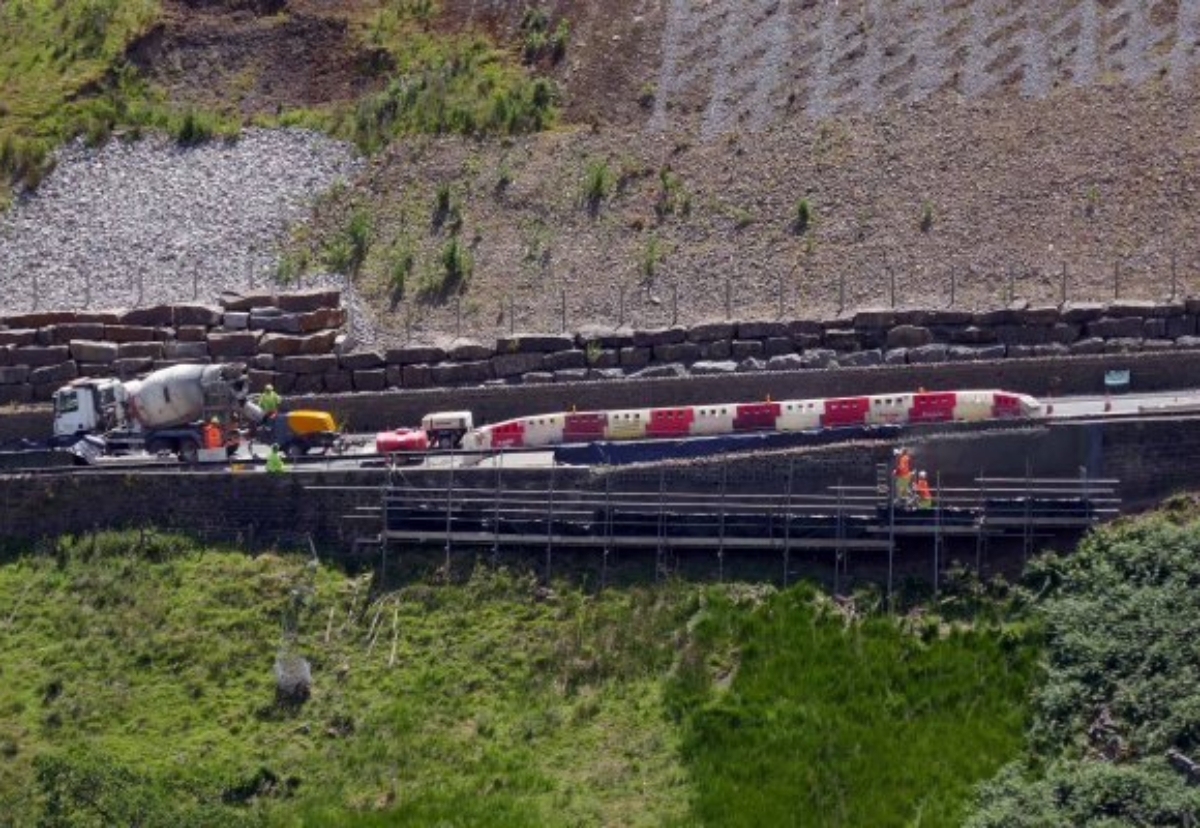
<point>88,406</point>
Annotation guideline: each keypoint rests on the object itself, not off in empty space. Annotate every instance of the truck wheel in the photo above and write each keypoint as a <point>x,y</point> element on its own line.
<point>189,451</point>
<point>157,447</point>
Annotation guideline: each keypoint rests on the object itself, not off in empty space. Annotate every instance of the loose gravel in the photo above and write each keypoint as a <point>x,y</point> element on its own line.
<point>137,223</point>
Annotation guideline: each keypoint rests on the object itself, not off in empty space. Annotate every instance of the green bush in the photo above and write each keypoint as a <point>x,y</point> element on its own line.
<point>346,251</point>
<point>803,217</point>
<point>597,183</point>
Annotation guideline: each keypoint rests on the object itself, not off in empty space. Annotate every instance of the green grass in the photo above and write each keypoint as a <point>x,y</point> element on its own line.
<point>792,718</point>
<point>136,680</point>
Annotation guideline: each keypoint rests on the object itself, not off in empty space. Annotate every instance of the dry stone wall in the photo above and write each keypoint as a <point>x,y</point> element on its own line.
<point>295,341</point>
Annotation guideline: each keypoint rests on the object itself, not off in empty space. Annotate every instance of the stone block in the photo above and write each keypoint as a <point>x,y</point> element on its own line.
<point>708,331</point>
<point>16,394</point>
<point>606,374</point>
<point>913,316</point>
<point>159,364</point>
<point>861,359</point>
<point>18,337</point>
<point>670,371</point>
<point>154,316</point>
<point>236,301</point>
<point>40,319</point>
<point>908,336</point>
<point>235,321</point>
<point>338,382</point>
<point>1021,351</point>
<point>259,380</point>
<point>1178,326</point>
<point>1110,328</point>
<point>191,333</point>
<point>1064,332</point>
<point>96,369</point>
<point>285,383</point>
<point>1122,308</point>
<point>606,337</point>
<point>63,334</point>
<point>37,357</point>
<point>321,320</point>
<point>302,301</point>
<point>949,317</point>
<point>511,365</point>
<point>14,374</point>
<point>679,352</point>
<point>362,361</point>
<point>533,343</point>
<point>776,346</point>
<point>934,352</point>
<point>896,356</point>
<point>606,358</point>
<point>1155,328</point>
<point>877,318</point>
<point>1051,349</point>
<point>462,373</point>
<point>1122,345</point>
<point>761,330</point>
<point>1188,342</point>
<point>395,376</point>
<point>153,350</point>
<point>709,367</point>
<point>6,354</point>
<point>196,315</point>
<point>131,366</point>
<point>416,376</point>
<point>659,336</point>
<point>131,333</point>
<point>565,361</point>
<point>786,362</point>
<point>815,358</point>
<point>804,341</point>
<point>104,317</point>
<point>263,362</point>
<point>282,323</point>
<point>1042,315</point>
<point>1022,334</point>
<point>280,344</point>
<point>571,375</point>
<point>635,357</point>
<point>1091,345</point>
<point>804,327</point>
<point>537,378</point>
<point>1080,312</point>
<point>225,345</point>
<point>307,364</point>
<point>719,349</point>
<point>308,383</point>
<point>969,335</point>
<point>318,343</point>
<point>1157,344</point>
<point>415,354</point>
<point>84,351</point>
<point>54,374</point>
<point>740,349</point>
<point>186,350</point>
<point>842,340</point>
<point>469,350</point>
<point>1001,316</point>
<point>750,365</point>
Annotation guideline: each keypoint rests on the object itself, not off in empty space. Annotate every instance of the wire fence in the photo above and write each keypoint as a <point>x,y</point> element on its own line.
<point>771,291</point>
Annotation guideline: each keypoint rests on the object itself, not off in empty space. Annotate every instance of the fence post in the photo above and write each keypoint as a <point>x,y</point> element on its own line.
<point>841,293</point>
<point>1011,285</point>
<point>458,317</point>
<point>728,298</point>
<point>1064,284</point>
<point>87,291</point>
<point>781,296</point>
<point>141,287</point>
<point>892,285</point>
<point>195,283</point>
<point>675,303</point>
<point>1117,280</point>
<point>621,306</point>
<point>953,283</point>
<point>408,323</point>
<point>36,292</point>
<point>1174,283</point>
<point>563,296</point>
<point>512,315</point>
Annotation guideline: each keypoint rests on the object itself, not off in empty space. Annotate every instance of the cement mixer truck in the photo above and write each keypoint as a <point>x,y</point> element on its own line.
<point>163,413</point>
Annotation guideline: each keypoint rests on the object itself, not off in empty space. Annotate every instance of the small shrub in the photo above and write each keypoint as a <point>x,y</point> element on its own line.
<point>803,217</point>
<point>742,218</point>
<point>454,268</point>
<point>672,198</point>
<point>401,264</point>
<point>651,257</point>
<point>194,128</point>
<point>597,183</point>
<point>593,350</point>
<point>926,223</point>
<point>646,95</point>
<point>346,252</point>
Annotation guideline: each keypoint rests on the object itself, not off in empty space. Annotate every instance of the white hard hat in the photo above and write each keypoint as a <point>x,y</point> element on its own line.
<point>922,474</point>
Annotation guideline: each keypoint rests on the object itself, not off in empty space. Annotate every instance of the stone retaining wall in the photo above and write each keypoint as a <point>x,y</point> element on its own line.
<point>293,341</point>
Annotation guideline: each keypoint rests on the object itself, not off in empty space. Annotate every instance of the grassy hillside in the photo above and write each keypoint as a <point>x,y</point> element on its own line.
<point>136,685</point>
